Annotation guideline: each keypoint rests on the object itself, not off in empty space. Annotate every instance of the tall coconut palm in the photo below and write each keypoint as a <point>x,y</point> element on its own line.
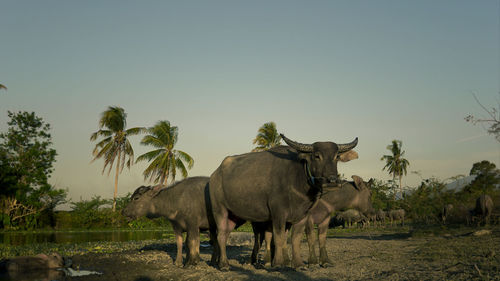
<point>267,137</point>
<point>396,165</point>
<point>165,160</point>
<point>115,144</point>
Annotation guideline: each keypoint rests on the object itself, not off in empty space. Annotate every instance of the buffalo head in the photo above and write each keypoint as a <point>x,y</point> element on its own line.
<point>322,158</point>
<point>140,202</point>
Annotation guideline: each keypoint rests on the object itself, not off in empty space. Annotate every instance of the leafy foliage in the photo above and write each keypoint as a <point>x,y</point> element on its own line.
<point>165,160</point>
<point>487,178</point>
<point>26,161</point>
<point>267,137</point>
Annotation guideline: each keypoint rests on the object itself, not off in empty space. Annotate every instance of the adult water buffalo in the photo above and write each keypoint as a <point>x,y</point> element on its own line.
<point>355,194</point>
<point>279,185</point>
<point>184,204</point>
<point>381,215</point>
<point>445,212</point>
<point>398,214</point>
<point>483,209</point>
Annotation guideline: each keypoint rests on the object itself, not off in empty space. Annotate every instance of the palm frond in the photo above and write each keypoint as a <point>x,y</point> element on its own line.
<point>136,131</point>
<point>180,165</point>
<point>153,141</point>
<point>150,155</point>
<point>183,156</point>
<point>100,133</point>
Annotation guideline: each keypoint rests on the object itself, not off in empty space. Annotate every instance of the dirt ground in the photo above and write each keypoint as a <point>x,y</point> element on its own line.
<point>357,256</point>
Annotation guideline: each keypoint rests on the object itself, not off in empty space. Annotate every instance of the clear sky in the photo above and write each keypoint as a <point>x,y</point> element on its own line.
<point>322,70</point>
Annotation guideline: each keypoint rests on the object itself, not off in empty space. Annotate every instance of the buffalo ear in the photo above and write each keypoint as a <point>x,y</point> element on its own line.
<point>370,182</point>
<point>156,189</point>
<point>358,182</point>
<point>305,157</point>
<point>348,156</point>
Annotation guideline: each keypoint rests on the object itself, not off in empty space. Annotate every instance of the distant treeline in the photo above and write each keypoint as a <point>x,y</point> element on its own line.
<point>28,201</point>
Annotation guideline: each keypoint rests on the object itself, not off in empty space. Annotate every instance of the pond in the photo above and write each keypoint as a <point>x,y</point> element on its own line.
<point>26,237</point>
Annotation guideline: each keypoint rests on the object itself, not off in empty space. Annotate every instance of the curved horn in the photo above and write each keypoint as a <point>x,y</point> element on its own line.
<point>297,146</point>
<point>347,146</point>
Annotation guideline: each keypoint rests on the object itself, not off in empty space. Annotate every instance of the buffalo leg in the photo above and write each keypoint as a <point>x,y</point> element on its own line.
<point>297,233</point>
<point>222,235</point>
<point>269,247</point>
<point>178,240</point>
<point>192,241</point>
<point>279,241</point>
<point>311,241</point>
<point>323,255</point>
<point>286,255</point>
<point>215,246</point>
<point>258,239</point>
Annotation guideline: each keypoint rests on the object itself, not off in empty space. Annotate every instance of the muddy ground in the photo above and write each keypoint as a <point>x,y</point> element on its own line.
<point>402,254</point>
<point>368,255</point>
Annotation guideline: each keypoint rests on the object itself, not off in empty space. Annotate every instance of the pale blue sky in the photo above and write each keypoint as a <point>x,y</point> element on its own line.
<point>322,70</point>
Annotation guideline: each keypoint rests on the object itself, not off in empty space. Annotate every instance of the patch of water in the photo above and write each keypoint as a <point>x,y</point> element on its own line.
<point>76,273</point>
<point>25,238</point>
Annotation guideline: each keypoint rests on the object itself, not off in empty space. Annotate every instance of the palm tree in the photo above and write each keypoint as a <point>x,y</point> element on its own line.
<point>3,87</point>
<point>267,137</point>
<point>165,160</point>
<point>115,144</point>
<point>396,165</point>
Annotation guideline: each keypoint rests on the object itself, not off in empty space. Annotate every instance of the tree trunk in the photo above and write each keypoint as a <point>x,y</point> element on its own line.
<point>393,180</point>
<point>116,181</point>
<point>400,186</point>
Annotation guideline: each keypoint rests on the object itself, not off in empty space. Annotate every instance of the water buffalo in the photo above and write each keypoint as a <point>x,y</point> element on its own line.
<point>355,194</point>
<point>279,185</point>
<point>183,204</point>
<point>381,215</point>
<point>37,267</point>
<point>445,212</point>
<point>349,217</point>
<point>398,214</point>
<point>483,209</point>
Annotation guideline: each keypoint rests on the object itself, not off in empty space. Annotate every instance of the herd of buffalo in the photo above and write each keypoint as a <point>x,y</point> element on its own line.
<point>286,187</point>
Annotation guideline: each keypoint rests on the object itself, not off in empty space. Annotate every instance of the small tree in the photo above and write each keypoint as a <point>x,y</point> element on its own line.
<point>26,161</point>
<point>487,178</point>
<point>115,145</point>
<point>396,165</point>
<point>267,137</point>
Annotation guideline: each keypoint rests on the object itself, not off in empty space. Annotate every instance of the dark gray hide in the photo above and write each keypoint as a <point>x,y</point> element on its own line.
<point>397,215</point>
<point>381,215</point>
<point>445,212</point>
<point>278,185</point>
<point>32,267</point>
<point>183,204</point>
<point>483,209</point>
<point>350,195</point>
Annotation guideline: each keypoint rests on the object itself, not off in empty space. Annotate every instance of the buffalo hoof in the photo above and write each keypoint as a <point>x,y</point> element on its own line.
<point>326,264</point>
<point>224,266</point>
<point>313,260</point>
<point>178,263</point>
<point>190,264</point>
<point>298,264</point>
